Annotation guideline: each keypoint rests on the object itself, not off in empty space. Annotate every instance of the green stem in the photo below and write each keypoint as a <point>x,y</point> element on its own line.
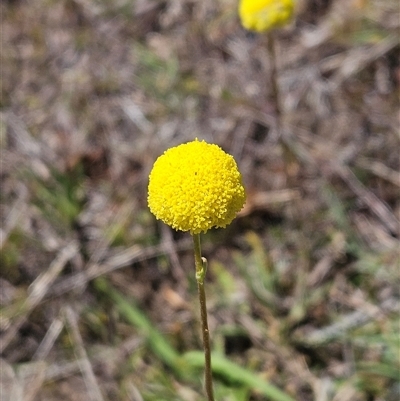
<point>201,269</point>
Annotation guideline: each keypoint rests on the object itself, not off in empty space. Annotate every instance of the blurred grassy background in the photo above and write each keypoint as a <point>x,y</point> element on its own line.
<point>98,300</point>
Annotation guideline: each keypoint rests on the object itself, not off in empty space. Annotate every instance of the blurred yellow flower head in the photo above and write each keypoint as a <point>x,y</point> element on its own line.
<point>195,186</point>
<point>264,15</point>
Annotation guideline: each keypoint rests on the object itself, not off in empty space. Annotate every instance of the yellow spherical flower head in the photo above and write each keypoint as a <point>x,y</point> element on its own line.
<point>195,186</point>
<point>264,15</point>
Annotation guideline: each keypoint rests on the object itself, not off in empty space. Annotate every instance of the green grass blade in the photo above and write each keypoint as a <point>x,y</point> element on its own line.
<point>233,372</point>
<point>157,342</point>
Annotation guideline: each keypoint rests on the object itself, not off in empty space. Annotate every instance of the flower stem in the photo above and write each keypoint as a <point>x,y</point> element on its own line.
<point>271,46</point>
<point>201,269</point>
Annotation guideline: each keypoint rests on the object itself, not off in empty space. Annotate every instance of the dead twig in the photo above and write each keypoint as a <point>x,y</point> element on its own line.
<point>330,167</point>
<point>358,58</point>
<point>38,290</point>
<point>85,366</point>
<point>378,207</point>
<point>49,339</point>
<point>263,200</point>
<point>380,170</point>
<point>123,259</point>
<point>170,249</point>
<point>36,376</point>
<point>348,322</point>
<point>62,369</point>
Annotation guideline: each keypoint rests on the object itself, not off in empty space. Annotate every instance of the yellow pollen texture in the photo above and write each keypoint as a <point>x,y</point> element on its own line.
<point>264,15</point>
<point>195,186</point>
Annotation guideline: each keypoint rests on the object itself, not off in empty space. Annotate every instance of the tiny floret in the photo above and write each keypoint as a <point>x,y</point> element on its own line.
<point>264,15</point>
<point>195,186</point>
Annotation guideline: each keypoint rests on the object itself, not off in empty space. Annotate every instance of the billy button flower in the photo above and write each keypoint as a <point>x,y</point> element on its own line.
<point>264,15</point>
<point>194,187</point>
